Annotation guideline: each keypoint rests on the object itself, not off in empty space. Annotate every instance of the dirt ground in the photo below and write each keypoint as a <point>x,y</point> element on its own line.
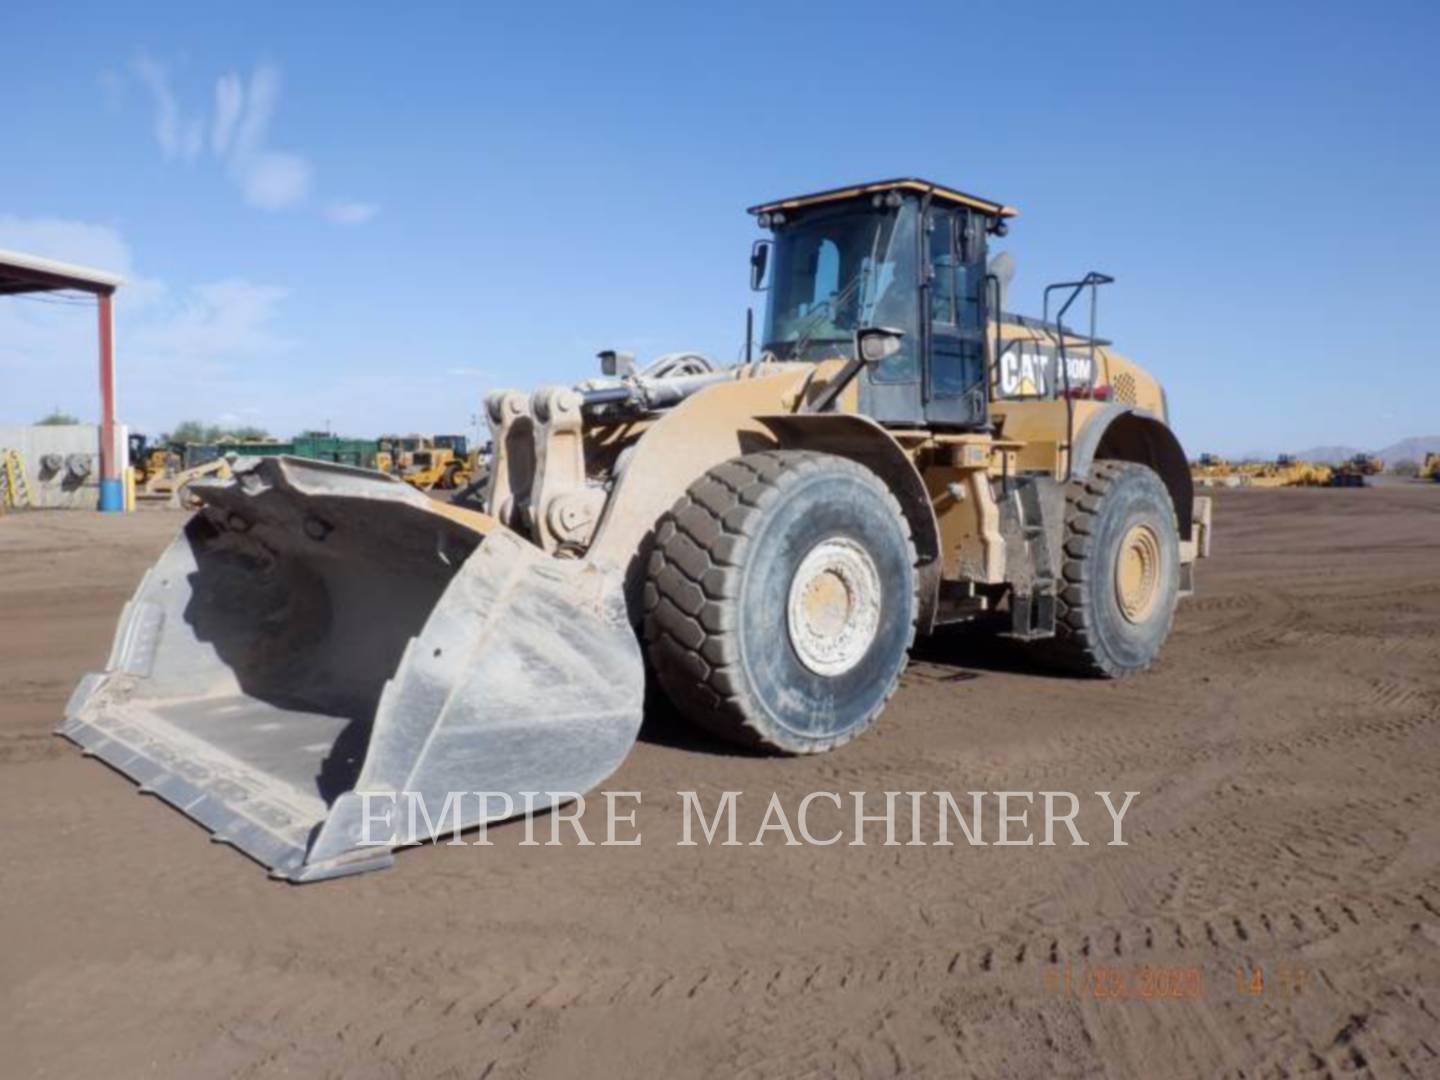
<point>1282,877</point>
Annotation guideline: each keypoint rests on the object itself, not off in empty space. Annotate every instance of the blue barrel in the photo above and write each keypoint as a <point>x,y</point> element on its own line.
<point>112,496</point>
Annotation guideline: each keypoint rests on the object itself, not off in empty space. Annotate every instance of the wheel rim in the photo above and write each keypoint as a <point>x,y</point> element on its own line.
<point>834,606</point>
<point>1137,573</point>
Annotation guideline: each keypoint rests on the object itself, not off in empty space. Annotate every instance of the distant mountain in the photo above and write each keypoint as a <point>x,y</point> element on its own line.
<point>1413,449</point>
<point>1327,455</point>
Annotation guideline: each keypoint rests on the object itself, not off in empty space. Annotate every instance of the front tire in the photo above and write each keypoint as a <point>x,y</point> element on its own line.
<point>780,600</point>
<point>1121,572</point>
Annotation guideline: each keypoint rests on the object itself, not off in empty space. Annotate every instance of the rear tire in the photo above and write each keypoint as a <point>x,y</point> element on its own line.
<point>1121,572</point>
<point>780,600</point>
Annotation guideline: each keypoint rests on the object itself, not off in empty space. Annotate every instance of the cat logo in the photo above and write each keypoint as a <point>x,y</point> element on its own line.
<point>1031,374</point>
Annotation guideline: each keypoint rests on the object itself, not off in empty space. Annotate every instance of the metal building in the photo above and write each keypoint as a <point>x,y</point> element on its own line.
<point>21,273</point>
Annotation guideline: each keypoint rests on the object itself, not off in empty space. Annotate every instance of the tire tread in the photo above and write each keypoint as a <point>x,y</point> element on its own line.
<point>700,550</point>
<point>1075,647</point>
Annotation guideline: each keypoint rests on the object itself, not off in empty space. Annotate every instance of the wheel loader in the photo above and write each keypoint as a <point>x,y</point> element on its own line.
<point>171,473</point>
<point>1356,471</point>
<point>898,452</point>
<point>143,458</point>
<point>396,453</point>
<point>442,463</point>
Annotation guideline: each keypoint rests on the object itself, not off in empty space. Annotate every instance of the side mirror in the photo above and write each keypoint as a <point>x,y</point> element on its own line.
<point>759,260</point>
<point>876,343</point>
<point>613,362</point>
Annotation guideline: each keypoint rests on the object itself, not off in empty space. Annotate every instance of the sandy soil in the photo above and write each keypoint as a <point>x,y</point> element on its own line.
<point>1286,750</point>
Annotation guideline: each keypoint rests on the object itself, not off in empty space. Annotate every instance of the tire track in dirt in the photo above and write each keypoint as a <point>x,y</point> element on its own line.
<point>24,748</point>
<point>1284,748</point>
<point>810,1009</point>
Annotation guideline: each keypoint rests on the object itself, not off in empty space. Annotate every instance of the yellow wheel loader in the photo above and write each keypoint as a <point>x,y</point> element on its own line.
<point>327,664</point>
<point>1354,472</point>
<point>169,478</point>
<point>146,460</point>
<point>396,453</point>
<point>442,463</point>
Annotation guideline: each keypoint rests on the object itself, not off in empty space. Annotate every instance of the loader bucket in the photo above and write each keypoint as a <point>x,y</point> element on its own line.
<point>322,644</point>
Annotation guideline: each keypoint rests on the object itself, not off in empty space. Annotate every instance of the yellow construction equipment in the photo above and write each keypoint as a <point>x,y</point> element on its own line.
<point>169,478</point>
<point>1353,473</point>
<point>1284,471</point>
<point>1431,468</point>
<point>147,460</point>
<point>14,488</point>
<point>328,664</point>
<point>397,453</point>
<point>394,452</point>
<point>439,462</point>
<point>427,462</point>
<point>1211,470</point>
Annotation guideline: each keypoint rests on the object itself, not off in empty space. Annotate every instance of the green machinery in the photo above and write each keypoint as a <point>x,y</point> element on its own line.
<point>316,446</point>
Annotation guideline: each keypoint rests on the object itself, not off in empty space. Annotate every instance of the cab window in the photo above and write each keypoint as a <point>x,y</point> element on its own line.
<point>944,267</point>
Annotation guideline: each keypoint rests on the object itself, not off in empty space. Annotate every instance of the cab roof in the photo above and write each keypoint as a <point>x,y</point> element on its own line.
<point>909,183</point>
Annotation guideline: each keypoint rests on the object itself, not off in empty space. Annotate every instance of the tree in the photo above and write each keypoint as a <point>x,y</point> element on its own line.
<point>56,418</point>
<point>192,431</point>
<point>197,431</point>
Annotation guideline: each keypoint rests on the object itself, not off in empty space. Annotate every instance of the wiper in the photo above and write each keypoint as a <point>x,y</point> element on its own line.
<point>861,275</point>
<point>812,322</point>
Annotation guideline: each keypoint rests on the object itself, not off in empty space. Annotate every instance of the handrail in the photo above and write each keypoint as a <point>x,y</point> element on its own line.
<point>1092,281</point>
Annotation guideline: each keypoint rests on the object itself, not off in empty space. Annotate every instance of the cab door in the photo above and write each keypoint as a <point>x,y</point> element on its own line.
<point>953,317</point>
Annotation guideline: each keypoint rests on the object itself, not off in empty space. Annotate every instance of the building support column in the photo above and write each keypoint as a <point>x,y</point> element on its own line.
<point>112,487</point>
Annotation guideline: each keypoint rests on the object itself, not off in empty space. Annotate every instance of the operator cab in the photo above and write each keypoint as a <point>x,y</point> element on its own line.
<point>907,255</point>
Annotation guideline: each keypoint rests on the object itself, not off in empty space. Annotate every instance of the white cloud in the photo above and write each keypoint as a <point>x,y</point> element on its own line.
<point>177,136</point>
<point>268,179</point>
<point>213,323</point>
<point>262,101</point>
<point>273,180</point>
<point>179,351</point>
<point>238,130</point>
<point>229,104</point>
<point>68,241</point>
<point>351,213</point>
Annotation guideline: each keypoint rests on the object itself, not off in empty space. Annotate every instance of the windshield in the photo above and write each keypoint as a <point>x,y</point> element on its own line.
<point>837,271</point>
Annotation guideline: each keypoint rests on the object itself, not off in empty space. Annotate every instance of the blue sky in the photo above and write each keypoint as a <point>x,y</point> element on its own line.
<point>371,215</point>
